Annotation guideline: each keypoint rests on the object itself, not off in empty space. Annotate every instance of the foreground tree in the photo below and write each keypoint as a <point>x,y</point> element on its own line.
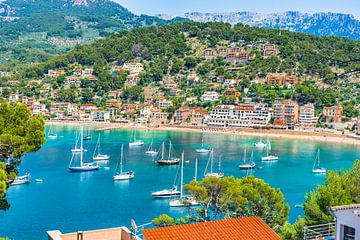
<point>341,188</point>
<point>230,197</point>
<point>20,133</point>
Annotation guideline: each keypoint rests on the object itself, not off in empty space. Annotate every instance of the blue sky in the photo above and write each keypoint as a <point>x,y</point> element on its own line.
<point>178,7</point>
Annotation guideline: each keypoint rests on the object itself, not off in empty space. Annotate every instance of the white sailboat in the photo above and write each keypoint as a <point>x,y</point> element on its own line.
<point>249,165</point>
<point>150,150</point>
<point>183,201</point>
<point>167,193</point>
<point>136,143</point>
<point>269,156</point>
<point>210,162</point>
<point>87,136</point>
<point>51,135</point>
<point>78,149</point>
<point>123,175</point>
<point>202,149</point>
<point>169,159</point>
<point>21,179</point>
<point>316,167</point>
<point>97,156</point>
<point>83,167</point>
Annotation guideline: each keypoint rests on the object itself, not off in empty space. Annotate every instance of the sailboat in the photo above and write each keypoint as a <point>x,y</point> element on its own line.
<point>123,175</point>
<point>83,167</point>
<point>76,148</point>
<point>183,201</point>
<point>316,166</point>
<point>97,156</point>
<point>150,150</point>
<point>136,143</point>
<point>249,165</point>
<point>51,135</point>
<point>166,193</point>
<point>269,156</point>
<point>203,150</point>
<point>169,159</point>
<point>87,136</point>
<point>211,162</point>
<point>21,179</point>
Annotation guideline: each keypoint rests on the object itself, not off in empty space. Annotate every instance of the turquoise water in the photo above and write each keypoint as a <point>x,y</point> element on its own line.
<point>91,200</point>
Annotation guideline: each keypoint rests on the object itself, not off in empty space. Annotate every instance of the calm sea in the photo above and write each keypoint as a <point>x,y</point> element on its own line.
<point>90,200</point>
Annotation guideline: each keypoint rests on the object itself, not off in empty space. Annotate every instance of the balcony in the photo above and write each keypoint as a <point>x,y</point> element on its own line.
<point>320,232</point>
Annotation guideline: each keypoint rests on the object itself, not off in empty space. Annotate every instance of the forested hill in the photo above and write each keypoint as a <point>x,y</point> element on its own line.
<point>35,30</point>
<point>308,56</point>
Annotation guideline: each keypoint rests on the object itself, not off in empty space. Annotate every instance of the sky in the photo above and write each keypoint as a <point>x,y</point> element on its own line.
<point>178,7</point>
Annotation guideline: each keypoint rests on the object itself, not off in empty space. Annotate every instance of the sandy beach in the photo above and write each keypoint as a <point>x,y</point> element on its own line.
<point>272,133</point>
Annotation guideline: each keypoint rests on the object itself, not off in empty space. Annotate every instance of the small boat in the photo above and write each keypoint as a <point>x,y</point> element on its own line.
<point>78,149</point>
<point>183,201</point>
<point>97,156</point>
<point>299,206</point>
<point>316,167</point>
<point>51,135</point>
<point>136,143</point>
<point>250,165</point>
<point>269,156</point>
<point>166,193</point>
<point>39,180</point>
<point>169,160</point>
<point>211,173</point>
<point>203,150</point>
<point>260,144</point>
<point>83,167</point>
<point>87,138</point>
<point>150,150</point>
<point>21,179</point>
<point>123,175</point>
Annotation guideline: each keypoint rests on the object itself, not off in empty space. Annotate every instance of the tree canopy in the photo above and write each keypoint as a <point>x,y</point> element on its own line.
<point>230,197</point>
<point>20,133</point>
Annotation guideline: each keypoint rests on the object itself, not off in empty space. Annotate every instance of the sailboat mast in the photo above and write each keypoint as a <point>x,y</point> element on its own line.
<point>182,175</point>
<point>196,169</point>
<point>212,161</point>
<point>121,158</point>
<point>318,158</point>
<point>219,163</point>
<point>81,147</point>
<point>169,151</point>
<point>99,144</point>
<point>162,151</point>
<point>244,155</point>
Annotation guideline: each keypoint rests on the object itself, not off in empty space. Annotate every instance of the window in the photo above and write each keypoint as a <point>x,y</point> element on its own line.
<point>348,233</point>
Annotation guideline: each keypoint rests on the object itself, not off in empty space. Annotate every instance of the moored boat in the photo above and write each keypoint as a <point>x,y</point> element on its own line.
<point>121,175</point>
<point>21,179</point>
<point>169,159</point>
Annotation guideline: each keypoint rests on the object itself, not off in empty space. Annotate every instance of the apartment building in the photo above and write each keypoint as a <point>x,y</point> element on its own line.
<point>286,114</point>
<point>333,113</point>
<point>281,79</point>
<point>210,96</point>
<point>307,117</point>
<point>242,116</point>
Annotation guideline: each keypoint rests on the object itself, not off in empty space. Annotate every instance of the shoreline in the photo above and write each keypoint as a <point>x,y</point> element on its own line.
<point>272,133</point>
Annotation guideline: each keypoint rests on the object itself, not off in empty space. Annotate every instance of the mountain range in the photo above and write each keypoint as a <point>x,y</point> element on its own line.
<point>320,24</point>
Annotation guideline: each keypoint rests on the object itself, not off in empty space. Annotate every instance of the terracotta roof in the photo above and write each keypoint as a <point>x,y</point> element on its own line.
<point>250,228</point>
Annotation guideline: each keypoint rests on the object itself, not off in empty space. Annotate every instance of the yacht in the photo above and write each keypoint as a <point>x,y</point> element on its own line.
<point>51,135</point>
<point>121,175</point>
<point>183,201</point>
<point>203,149</point>
<point>167,159</point>
<point>83,167</point>
<point>269,156</point>
<point>78,149</point>
<point>136,143</point>
<point>97,156</point>
<point>210,162</point>
<point>249,165</point>
<point>151,151</point>
<point>166,193</point>
<point>316,167</point>
<point>21,180</point>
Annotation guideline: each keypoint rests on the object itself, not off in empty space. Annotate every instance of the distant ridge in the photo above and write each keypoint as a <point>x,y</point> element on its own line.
<point>320,24</point>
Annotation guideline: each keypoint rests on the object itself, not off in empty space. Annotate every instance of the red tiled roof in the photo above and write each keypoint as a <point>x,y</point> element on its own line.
<point>249,228</point>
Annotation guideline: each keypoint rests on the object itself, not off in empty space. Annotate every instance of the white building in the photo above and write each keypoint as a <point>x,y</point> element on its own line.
<point>164,104</point>
<point>210,96</point>
<point>100,115</point>
<point>307,117</point>
<point>133,67</point>
<point>347,222</point>
<point>243,116</point>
